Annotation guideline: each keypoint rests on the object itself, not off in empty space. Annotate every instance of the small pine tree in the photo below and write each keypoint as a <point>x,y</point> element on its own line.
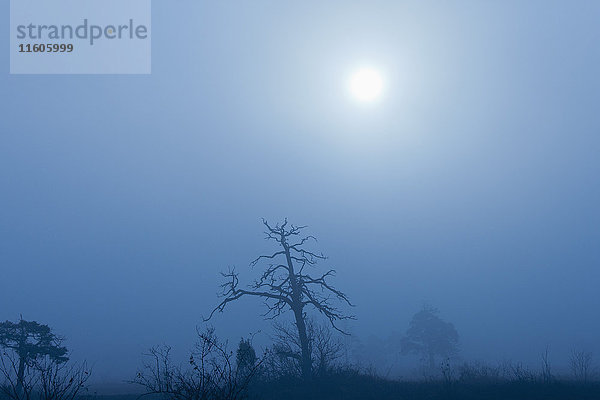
<point>430,336</point>
<point>245,357</point>
<point>31,342</point>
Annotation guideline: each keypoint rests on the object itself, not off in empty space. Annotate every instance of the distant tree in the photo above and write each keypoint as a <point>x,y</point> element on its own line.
<point>34,364</point>
<point>286,285</point>
<point>546,375</point>
<point>245,357</point>
<point>581,365</point>
<point>31,342</point>
<point>429,336</point>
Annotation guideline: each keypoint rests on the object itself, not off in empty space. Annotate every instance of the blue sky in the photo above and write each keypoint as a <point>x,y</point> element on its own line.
<point>472,185</point>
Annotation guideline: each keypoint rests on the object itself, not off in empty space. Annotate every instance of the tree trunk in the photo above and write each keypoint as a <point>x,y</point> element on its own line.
<point>305,361</point>
<point>297,307</point>
<point>20,377</point>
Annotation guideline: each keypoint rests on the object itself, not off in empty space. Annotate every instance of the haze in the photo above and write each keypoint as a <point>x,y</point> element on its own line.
<point>472,186</point>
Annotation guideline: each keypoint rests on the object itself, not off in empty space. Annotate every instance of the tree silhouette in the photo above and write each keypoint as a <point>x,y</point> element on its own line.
<point>324,346</point>
<point>31,342</point>
<point>287,285</point>
<point>245,357</point>
<point>211,372</point>
<point>430,336</point>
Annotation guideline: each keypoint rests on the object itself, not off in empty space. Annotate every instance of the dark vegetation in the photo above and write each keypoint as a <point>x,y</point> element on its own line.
<point>34,364</point>
<point>212,373</point>
<point>287,284</point>
<point>350,386</point>
<point>305,359</point>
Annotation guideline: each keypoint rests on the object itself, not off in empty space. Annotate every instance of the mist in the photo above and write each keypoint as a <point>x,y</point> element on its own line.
<point>471,187</point>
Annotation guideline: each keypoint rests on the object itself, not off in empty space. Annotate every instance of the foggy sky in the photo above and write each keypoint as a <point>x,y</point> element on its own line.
<point>472,186</point>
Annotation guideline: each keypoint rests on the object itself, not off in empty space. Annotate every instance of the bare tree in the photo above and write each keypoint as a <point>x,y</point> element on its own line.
<point>211,374</point>
<point>285,357</point>
<point>63,381</point>
<point>581,364</point>
<point>547,375</point>
<point>287,285</point>
<point>325,348</point>
<point>16,383</point>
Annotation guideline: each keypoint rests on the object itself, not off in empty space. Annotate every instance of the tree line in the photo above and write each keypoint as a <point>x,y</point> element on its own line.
<point>35,365</point>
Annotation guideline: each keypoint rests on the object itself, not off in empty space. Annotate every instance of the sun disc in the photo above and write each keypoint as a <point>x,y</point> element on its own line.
<point>366,85</point>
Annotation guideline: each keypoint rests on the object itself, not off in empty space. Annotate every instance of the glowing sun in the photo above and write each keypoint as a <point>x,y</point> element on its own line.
<point>366,84</point>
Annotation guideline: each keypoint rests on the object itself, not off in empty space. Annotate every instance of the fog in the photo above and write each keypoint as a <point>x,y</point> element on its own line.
<point>471,186</point>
